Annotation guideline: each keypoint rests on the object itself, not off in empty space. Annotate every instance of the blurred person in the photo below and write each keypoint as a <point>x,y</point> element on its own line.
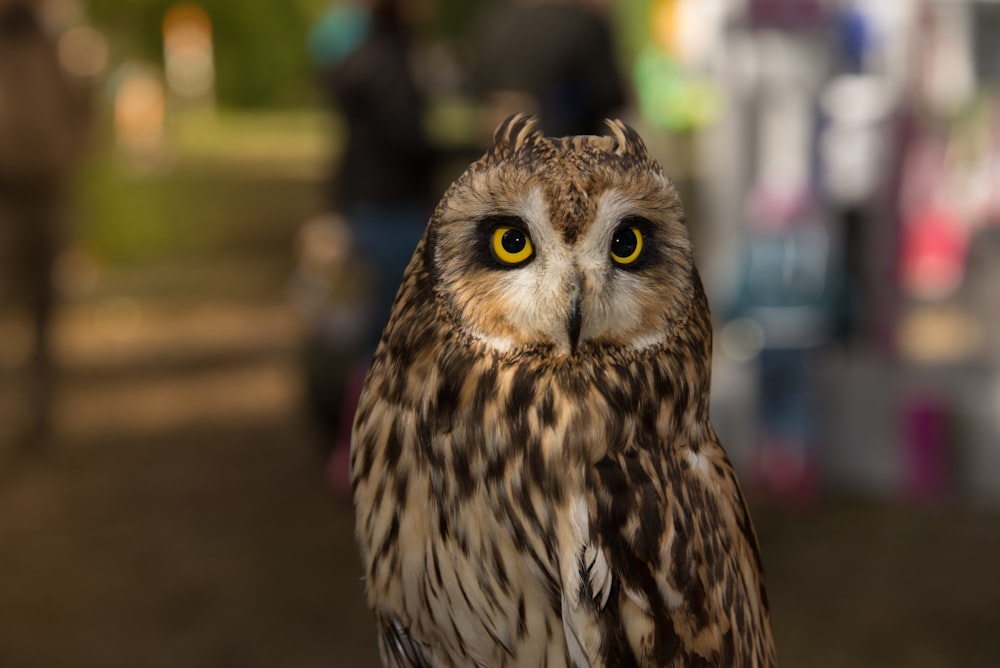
<point>790,283</point>
<point>382,185</point>
<point>42,126</point>
<point>552,58</point>
<point>383,182</point>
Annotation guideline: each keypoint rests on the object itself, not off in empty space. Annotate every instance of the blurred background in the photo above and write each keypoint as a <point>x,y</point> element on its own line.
<point>205,208</point>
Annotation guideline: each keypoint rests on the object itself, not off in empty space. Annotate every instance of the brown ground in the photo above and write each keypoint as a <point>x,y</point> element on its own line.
<point>179,516</point>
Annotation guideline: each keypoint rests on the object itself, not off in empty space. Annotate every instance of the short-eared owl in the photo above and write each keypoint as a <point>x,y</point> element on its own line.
<point>536,480</point>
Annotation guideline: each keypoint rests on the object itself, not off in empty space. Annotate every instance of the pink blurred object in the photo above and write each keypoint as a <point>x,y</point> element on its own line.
<point>933,251</point>
<point>784,471</point>
<point>338,466</point>
<point>927,450</point>
<point>776,209</point>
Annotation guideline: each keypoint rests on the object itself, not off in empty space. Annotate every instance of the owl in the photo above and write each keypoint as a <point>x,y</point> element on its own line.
<point>536,481</point>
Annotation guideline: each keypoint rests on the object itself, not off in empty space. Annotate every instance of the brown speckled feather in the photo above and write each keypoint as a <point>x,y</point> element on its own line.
<point>536,479</point>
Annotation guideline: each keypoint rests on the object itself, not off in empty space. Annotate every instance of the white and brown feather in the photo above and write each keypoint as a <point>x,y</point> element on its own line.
<point>527,499</point>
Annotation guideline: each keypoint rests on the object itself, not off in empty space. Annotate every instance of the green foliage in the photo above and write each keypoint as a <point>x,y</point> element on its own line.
<point>235,183</point>
<point>260,46</point>
<point>260,55</point>
<point>260,51</point>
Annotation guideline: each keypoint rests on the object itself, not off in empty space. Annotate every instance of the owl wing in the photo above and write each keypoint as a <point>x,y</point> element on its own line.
<point>396,648</point>
<point>668,572</point>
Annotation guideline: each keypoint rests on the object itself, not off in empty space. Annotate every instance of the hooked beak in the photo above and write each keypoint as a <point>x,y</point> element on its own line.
<point>573,322</point>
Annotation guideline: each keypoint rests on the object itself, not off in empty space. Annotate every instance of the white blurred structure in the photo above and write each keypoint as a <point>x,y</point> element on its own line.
<point>848,188</point>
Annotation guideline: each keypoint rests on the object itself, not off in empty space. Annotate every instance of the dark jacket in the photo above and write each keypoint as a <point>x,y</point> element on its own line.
<point>387,158</point>
<point>561,55</point>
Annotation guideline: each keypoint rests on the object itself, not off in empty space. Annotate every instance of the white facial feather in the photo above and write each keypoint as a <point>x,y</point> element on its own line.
<point>537,297</point>
<point>533,297</point>
<point>611,304</point>
<point>512,309</point>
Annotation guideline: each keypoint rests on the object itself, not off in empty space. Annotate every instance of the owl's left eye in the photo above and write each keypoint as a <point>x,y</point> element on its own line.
<point>626,245</point>
<point>511,245</point>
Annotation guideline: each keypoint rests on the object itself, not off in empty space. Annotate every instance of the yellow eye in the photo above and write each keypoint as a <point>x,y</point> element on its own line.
<point>511,245</point>
<point>626,245</point>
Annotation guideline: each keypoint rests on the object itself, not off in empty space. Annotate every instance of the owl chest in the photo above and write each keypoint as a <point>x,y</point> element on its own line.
<point>483,587</point>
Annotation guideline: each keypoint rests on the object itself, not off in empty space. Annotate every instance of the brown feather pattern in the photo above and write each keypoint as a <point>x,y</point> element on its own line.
<point>523,505</point>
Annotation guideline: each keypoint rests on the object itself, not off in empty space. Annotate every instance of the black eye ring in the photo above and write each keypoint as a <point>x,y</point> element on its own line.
<point>506,241</point>
<point>626,245</point>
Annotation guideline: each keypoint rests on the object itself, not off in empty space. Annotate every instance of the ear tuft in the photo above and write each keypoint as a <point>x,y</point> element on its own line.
<point>627,140</point>
<point>516,132</point>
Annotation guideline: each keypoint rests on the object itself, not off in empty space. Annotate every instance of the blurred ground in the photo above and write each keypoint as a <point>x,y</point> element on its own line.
<point>179,515</point>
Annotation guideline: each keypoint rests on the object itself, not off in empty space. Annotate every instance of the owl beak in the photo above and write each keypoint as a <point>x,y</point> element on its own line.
<point>573,325</point>
<point>574,321</point>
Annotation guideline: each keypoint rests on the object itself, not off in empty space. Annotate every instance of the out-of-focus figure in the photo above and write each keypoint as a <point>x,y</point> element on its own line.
<point>553,59</point>
<point>383,181</point>
<point>42,127</point>
<point>789,288</point>
<point>381,186</point>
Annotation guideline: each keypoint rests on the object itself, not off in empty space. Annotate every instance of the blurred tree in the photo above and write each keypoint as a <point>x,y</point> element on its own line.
<point>260,53</point>
<point>454,17</point>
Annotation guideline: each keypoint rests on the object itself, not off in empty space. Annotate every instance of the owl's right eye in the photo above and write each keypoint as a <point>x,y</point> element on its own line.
<point>626,245</point>
<point>511,245</point>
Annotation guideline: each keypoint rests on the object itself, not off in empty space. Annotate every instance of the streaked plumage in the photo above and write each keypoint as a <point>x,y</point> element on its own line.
<point>536,480</point>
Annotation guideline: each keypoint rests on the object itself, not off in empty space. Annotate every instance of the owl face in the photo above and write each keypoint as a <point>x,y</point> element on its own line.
<point>561,244</point>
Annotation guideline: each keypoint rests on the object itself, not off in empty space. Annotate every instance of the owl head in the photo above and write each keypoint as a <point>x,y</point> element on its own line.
<point>563,245</point>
